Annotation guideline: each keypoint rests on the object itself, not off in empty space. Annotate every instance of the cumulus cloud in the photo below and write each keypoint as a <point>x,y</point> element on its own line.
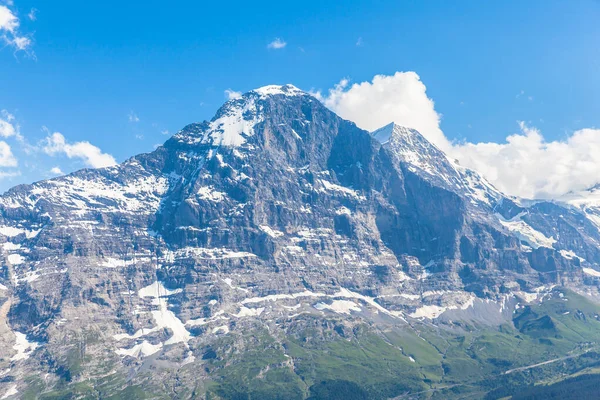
<point>525,164</point>
<point>9,29</point>
<point>7,129</point>
<point>400,98</point>
<point>91,155</point>
<point>232,94</point>
<point>56,171</point>
<point>277,44</point>
<point>529,166</point>
<point>8,20</point>
<point>7,158</point>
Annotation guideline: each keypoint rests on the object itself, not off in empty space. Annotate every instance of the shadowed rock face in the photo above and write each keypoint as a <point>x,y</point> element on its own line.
<point>276,207</point>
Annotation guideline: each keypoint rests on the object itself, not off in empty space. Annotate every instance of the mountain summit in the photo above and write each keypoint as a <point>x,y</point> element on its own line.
<point>279,251</point>
<point>235,120</point>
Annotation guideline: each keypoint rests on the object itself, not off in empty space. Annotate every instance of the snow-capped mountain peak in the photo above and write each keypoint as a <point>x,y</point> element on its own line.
<point>384,134</point>
<point>234,122</point>
<point>286,90</point>
<point>587,201</point>
<point>411,146</point>
<point>422,157</point>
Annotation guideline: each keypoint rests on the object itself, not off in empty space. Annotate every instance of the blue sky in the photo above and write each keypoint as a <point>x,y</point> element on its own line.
<point>121,74</point>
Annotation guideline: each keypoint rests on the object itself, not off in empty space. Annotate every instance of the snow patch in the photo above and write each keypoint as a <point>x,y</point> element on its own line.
<point>141,194</point>
<point>591,272</point>
<point>570,254</point>
<point>229,283</point>
<point>224,329</point>
<point>434,311</point>
<point>15,259</point>
<point>294,249</point>
<point>271,232</point>
<point>236,121</point>
<point>276,297</point>
<point>143,349</point>
<point>430,311</point>
<point>345,293</point>
<point>249,312</point>
<point>342,293</point>
<point>23,347</point>
<point>110,262</point>
<point>328,186</point>
<point>538,293</point>
<point>210,194</point>
<point>163,317</point>
<point>339,306</point>
<point>10,231</point>
<point>10,392</point>
<point>211,253</point>
<point>525,232</point>
<point>9,246</point>
<point>188,359</point>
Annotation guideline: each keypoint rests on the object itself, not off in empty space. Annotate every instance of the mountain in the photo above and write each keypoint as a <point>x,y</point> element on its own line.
<point>425,159</point>
<point>586,201</point>
<point>279,251</point>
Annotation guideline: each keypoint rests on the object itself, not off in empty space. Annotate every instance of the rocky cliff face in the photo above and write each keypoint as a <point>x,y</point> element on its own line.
<point>276,216</point>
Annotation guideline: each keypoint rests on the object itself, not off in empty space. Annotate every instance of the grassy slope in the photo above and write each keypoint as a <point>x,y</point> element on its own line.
<point>317,360</point>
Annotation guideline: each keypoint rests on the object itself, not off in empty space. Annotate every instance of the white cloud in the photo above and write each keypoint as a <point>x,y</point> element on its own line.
<point>359,41</point>
<point>277,44</point>
<point>9,174</point>
<point>399,98</point>
<point>8,116</point>
<point>21,42</point>
<point>7,126</point>
<point>525,164</point>
<point>7,158</point>
<point>56,171</point>
<point>232,94</point>
<point>8,20</point>
<point>165,132</point>
<point>32,14</point>
<point>9,29</point>
<point>133,117</point>
<point>529,166</point>
<point>7,129</point>
<point>91,155</point>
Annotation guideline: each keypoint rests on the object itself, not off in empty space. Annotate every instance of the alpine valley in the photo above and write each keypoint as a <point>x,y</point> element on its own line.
<point>280,252</point>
